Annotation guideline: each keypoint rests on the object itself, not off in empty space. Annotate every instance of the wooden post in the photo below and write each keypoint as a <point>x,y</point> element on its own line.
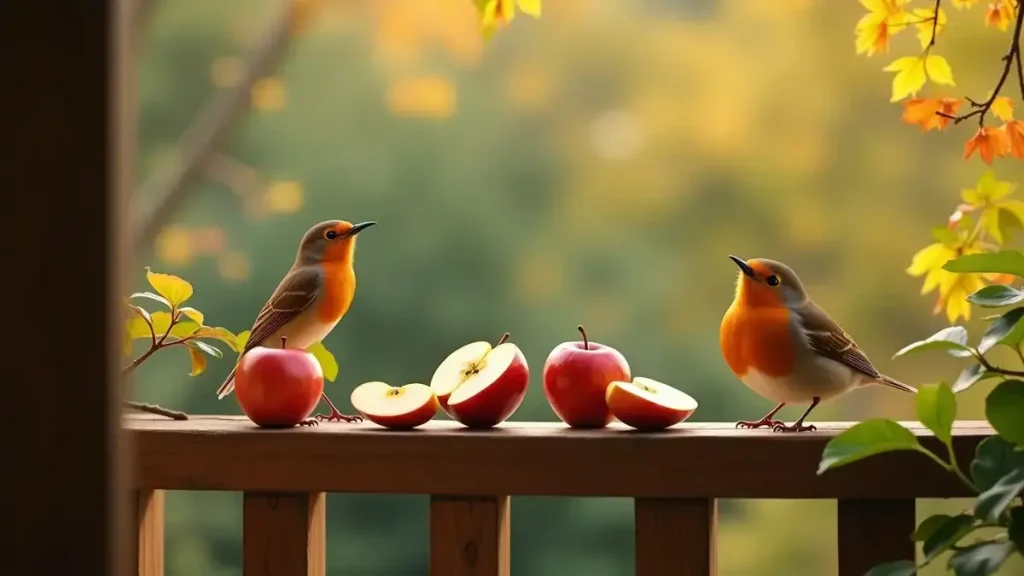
<point>675,536</point>
<point>469,536</point>
<point>284,534</point>
<point>149,515</point>
<point>873,532</point>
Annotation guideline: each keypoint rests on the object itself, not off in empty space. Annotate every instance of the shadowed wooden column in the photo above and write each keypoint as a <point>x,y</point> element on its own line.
<point>149,514</point>
<point>874,531</point>
<point>675,536</point>
<point>469,536</point>
<point>284,534</point>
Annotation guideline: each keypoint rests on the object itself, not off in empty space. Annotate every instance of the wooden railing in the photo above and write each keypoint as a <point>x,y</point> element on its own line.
<point>674,477</point>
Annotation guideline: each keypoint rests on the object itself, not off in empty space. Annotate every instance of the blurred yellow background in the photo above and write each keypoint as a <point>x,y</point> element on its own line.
<point>594,166</point>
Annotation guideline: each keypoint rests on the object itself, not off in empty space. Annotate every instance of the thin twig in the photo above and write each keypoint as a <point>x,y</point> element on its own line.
<point>161,197</point>
<point>935,26</point>
<point>154,409</point>
<point>989,367</point>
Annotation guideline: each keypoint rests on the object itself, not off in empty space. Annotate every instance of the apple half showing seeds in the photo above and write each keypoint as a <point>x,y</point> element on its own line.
<point>480,386</point>
<point>647,404</point>
<point>395,407</point>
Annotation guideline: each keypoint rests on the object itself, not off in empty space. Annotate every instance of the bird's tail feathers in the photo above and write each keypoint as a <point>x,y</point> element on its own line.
<point>892,383</point>
<point>227,386</point>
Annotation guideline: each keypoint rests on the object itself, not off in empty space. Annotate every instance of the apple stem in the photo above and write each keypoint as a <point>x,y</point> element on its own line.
<point>502,340</point>
<point>284,342</point>
<point>586,344</point>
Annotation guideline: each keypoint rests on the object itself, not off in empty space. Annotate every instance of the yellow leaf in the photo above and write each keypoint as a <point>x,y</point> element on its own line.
<point>198,361</point>
<point>989,221</point>
<point>1015,208</point>
<point>909,78</point>
<point>192,314</point>
<point>991,190</point>
<point>1002,107</point>
<point>242,338</point>
<point>138,328</point>
<point>927,26</point>
<point>222,334</point>
<point>176,290</point>
<point>530,7</point>
<point>938,70</point>
<point>327,361</point>
<point>931,257</point>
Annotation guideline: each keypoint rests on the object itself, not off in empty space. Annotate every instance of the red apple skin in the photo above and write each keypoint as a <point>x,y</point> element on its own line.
<point>278,388</point>
<point>497,402</point>
<point>641,414</point>
<point>576,380</point>
<point>442,402</point>
<point>408,421</point>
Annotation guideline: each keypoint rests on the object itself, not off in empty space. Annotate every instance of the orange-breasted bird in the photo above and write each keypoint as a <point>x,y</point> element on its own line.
<point>786,348</point>
<point>311,299</point>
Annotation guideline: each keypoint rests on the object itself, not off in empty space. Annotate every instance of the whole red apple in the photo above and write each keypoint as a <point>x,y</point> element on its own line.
<point>278,387</point>
<point>576,377</point>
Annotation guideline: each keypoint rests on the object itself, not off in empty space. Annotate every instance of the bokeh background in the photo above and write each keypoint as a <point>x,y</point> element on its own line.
<point>595,166</point>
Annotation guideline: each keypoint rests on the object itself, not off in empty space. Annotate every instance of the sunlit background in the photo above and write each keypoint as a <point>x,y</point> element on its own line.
<point>594,166</point>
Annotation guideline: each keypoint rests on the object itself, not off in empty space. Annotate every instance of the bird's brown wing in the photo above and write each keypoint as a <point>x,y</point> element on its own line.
<point>828,339</point>
<point>293,295</point>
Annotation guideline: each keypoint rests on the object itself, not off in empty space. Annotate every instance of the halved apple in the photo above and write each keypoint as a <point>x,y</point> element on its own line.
<point>647,404</point>
<point>480,386</point>
<point>400,407</point>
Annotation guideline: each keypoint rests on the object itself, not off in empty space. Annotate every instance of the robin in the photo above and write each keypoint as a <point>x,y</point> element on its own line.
<point>311,299</point>
<point>787,349</point>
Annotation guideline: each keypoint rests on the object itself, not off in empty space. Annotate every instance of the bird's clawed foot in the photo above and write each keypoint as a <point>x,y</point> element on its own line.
<point>796,427</point>
<point>335,415</point>
<point>309,422</point>
<point>762,423</point>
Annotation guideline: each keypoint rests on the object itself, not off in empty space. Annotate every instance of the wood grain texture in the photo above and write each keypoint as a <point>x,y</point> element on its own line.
<point>149,515</point>
<point>694,460</point>
<point>284,534</point>
<point>675,536</point>
<point>873,531</point>
<point>469,536</point>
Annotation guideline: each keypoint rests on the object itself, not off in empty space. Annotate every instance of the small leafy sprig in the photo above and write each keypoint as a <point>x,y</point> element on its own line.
<point>886,18</point>
<point>177,326</point>
<point>984,222</point>
<point>997,470</point>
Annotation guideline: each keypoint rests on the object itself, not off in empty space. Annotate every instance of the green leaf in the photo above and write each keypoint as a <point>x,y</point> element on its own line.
<point>1000,328</point>
<point>952,340</point>
<point>946,535</point>
<point>865,439</point>
<point>969,377</point>
<point>898,568</point>
<point>326,359</point>
<point>981,559</point>
<point>193,314</point>
<point>995,296</point>
<point>137,327</point>
<point>991,503</point>
<point>1002,262</point>
<point>936,409</point>
<point>929,526</point>
<point>222,334</point>
<point>198,359</point>
<point>1004,409</point>
<point>209,349</point>
<point>176,290</point>
<point>151,296</point>
<point>1016,531</point>
<point>994,459</point>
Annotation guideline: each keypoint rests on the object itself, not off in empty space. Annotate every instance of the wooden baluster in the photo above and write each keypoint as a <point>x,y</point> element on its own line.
<point>675,536</point>
<point>284,534</point>
<point>149,517</point>
<point>469,536</point>
<point>874,532</point>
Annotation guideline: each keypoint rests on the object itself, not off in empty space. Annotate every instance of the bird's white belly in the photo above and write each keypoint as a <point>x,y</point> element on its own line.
<point>302,332</point>
<point>814,378</point>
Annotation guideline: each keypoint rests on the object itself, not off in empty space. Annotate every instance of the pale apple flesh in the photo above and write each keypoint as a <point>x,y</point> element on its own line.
<point>456,369</point>
<point>397,407</point>
<point>647,404</point>
<point>483,389</point>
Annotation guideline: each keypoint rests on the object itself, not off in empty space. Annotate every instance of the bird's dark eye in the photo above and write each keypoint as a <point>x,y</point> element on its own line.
<point>331,235</point>
<point>772,280</point>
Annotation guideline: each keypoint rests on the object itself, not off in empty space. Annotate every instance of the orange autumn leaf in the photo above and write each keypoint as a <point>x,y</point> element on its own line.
<point>999,14</point>
<point>989,142</point>
<point>1014,130</point>
<point>928,112</point>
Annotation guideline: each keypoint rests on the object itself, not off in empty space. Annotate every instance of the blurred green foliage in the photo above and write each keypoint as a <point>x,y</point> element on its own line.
<point>596,165</point>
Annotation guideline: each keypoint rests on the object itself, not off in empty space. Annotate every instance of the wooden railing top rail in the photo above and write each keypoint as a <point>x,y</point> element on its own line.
<point>688,461</point>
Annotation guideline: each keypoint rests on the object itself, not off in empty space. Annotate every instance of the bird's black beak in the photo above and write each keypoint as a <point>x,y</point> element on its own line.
<point>359,228</point>
<point>743,265</point>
